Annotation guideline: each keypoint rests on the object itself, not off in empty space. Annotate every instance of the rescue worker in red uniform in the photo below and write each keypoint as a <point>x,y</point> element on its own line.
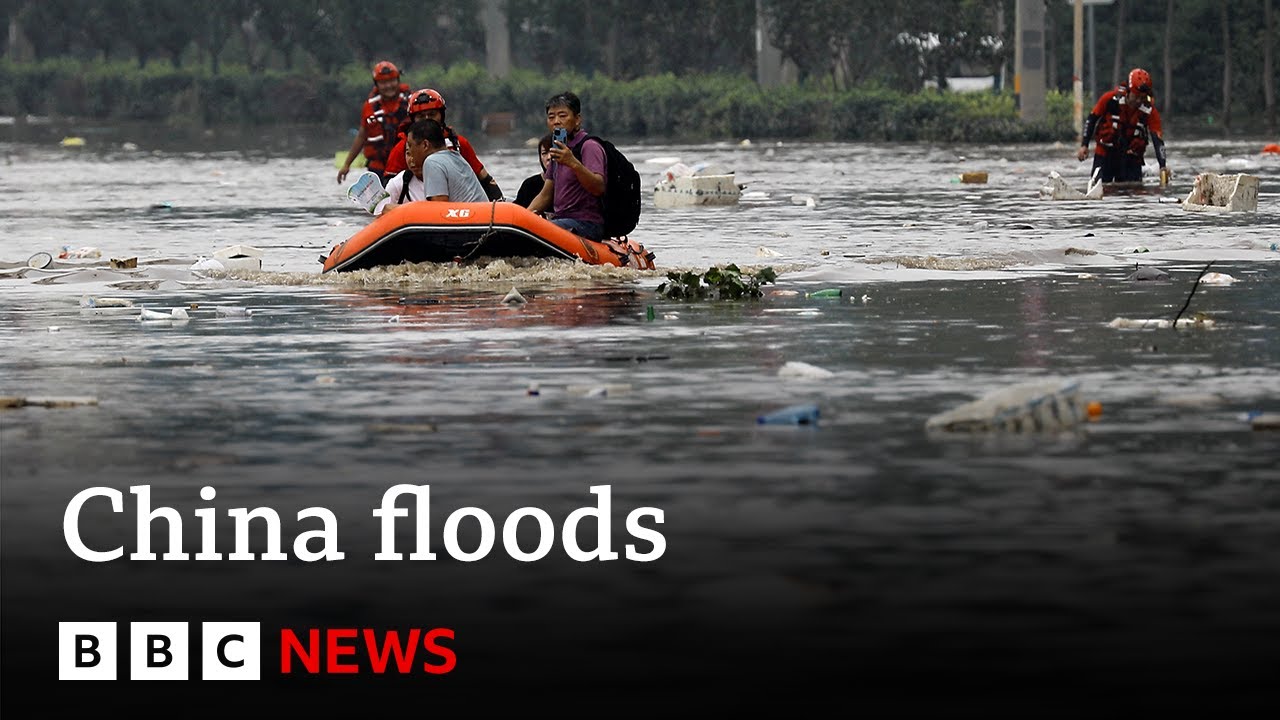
<point>380,118</point>
<point>429,104</point>
<point>1124,122</point>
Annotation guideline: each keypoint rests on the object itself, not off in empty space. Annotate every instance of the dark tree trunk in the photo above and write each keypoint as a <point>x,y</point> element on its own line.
<point>1268,65</point>
<point>1050,51</point>
<point>1119,73</point>
<point>1166,88</point>
<point>1226,66</point>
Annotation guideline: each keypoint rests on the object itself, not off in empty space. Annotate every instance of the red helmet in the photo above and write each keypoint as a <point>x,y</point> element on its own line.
<point>385,70</point>
<point>1140,80</point>
<point>425,99</point>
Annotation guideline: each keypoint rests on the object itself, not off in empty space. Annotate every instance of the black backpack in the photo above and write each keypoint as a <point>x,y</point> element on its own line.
<point>621,197</point>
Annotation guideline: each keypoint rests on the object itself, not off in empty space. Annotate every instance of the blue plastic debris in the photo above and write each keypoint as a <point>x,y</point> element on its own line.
<point>791,415</point>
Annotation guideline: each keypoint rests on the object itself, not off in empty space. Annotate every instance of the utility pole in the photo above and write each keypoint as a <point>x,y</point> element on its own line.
<point>1093,56</point>
<point>1077,84</point>
<point>1077,68</point>
<point>1029,59</point>
<point>497,38</point>
<point>772,69</point>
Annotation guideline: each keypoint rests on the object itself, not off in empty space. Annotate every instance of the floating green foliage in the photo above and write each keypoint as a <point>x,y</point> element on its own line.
<point>717,283</point>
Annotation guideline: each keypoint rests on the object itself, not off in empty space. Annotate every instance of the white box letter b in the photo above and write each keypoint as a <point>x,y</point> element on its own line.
<point>86,651</point>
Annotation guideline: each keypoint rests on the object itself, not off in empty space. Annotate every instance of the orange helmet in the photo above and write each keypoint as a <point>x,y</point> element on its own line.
<point>425,99</point>
<point>385,70</point>
<point>1140,80</point>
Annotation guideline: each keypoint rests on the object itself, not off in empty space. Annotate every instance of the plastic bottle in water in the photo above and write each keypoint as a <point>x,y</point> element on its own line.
<point>792,415</point>
<point>827,293</point>
<point>1036,406</point>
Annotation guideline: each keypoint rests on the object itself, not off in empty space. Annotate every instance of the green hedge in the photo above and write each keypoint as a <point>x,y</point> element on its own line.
<point>686,108</point>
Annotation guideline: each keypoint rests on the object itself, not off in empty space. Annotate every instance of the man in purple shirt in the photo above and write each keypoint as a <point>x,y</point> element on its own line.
<point>573,182</point>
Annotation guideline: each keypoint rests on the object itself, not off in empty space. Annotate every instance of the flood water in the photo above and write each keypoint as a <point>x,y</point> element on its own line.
<point>1139,548</point>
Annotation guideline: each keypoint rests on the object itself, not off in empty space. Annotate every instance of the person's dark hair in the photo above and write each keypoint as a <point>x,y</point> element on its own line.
<point>544,144</point>
<point>566,99</point>
<point>429,130</point>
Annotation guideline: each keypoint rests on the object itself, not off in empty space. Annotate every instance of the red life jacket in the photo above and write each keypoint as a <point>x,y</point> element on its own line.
<point>397,162</point>
<point>1124,126</point>
<point>381,121</point>
<point>1139,132</point>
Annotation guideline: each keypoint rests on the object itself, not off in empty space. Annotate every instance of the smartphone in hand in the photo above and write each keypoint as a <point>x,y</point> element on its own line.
<point>560,135</point>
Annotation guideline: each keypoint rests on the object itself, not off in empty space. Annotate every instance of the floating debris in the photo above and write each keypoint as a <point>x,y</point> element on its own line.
<point>1038,406</point>
<point>105,302</point>
<point>1216,278</point>
<point>803,371</point>
<point>204,264</point>
<point>1223,193</point>
<point>49,402</point>
<point>1265,421</point>
<point>703,184</point>
<point>1160,323</point>
<point>514,298</point>
<point>239,257</point>
<point>825,293</point>
<point>606,390</point>
<point>1147,273</point>
<point>791,415</point>
<point>1058,189</point>
<point>79,253</point>
<point>174,314</point>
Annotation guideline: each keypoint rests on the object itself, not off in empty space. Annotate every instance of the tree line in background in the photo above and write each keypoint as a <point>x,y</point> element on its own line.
<point>1209,57</point>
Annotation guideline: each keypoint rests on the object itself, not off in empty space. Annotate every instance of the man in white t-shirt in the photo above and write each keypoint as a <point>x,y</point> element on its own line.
<point>435,171</point>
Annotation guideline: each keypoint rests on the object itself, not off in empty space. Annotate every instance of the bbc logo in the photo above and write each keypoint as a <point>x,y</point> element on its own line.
<point>159,651</point>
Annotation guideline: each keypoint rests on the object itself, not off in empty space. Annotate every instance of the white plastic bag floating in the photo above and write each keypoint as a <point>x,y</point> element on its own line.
<point>204,264</point>
<point>1216,278</point>
<point>803,371</point>
<point>702,169</point>
<point>1038,406</point>
<point>174,314</point>
<point>367,191</point>
<point>678,170</point>
<point>69,252</point>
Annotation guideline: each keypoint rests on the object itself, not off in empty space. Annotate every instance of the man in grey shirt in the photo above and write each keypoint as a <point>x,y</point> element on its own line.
<point>447,176</point>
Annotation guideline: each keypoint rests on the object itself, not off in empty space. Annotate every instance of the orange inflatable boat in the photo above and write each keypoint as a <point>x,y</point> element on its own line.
<point>427,231</point>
